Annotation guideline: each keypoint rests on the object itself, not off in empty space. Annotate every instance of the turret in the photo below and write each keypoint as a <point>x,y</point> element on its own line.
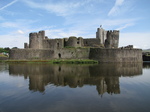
<point>112,40</point>
<point>101,35</point>
<point>74,42</point>
<point>35,40</point>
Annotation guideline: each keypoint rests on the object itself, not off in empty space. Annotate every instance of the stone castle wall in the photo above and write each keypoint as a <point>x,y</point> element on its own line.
<point>116,55</point>
<point>91,42</point>
<point>65,53</point>
<point>103,48</point>
<point>112,40</point>
<point>74,42</point>
<point>101,55</point>
<point>107,39</point>
<point>35,40</point>
<point>53,43</point>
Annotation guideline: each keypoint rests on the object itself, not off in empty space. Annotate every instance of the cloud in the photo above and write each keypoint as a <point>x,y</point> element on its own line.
<point>9,4</point>
<point>9,24</point>
<point>116,8</point>
<point>63,7</point>
<point>139,40</point>
<point>13,40</point>
<point>125,26</point>
<point>20,32</point>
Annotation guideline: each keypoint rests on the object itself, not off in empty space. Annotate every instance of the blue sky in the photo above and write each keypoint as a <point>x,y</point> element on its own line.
<point>64,18</point>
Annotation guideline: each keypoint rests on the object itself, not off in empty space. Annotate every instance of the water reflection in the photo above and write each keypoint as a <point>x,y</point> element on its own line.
<point>104,76</point>
<point>146,65</point>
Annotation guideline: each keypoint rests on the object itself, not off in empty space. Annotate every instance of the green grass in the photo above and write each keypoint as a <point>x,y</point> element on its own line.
<point>56,61</point>
<point>1,55</point>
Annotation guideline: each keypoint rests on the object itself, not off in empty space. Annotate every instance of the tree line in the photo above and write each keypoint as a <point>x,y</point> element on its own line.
<point>6,50</point>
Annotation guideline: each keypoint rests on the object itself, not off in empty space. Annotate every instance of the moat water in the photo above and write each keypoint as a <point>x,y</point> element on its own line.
<point>75,88</point>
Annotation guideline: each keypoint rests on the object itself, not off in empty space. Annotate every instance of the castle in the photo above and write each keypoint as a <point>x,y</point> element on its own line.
<point>103,48</point>
<point>104,39</point>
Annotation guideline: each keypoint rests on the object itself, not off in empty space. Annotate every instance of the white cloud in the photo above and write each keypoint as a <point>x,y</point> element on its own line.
<point>125,26</point>
<point>9,24</point>
<point>9,4</point>
<point>20,23</point>
<point>119,2</point>
<point>13,40</point>
<point>139,40</point>
<point>20,32</point>
<point>63,7</point>
<point>116,8</point>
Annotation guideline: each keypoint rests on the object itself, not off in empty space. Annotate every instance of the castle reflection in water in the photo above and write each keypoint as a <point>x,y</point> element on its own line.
<point>104,76</point>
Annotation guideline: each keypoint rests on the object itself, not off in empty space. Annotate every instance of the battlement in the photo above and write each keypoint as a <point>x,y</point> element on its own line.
<point>40,34</point>
<point>113,31</point>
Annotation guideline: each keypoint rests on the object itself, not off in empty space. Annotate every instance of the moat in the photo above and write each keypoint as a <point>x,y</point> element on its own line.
<point>106,87</point>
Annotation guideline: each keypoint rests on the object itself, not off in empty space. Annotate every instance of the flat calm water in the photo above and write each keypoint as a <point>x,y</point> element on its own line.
<point>75,88</point>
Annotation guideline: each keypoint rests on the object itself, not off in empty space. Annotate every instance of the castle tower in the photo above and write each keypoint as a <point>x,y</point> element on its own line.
<point>26,45</point>
<point>74,42</point>
<point>112,40</point>
<point>101,35</point>
<point>36,40</point>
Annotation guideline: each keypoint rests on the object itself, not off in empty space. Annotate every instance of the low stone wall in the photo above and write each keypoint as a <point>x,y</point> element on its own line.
<point>102,55</point>
<point>21,54</point>
<point>65,53</point>
<point>116,55</point>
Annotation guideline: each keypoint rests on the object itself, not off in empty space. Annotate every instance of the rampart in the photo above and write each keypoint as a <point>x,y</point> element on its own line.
<point>116,55</point>
<point>65,53</point>
<point>101,55</point>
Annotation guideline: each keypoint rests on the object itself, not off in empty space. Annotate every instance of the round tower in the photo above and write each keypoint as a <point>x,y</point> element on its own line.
<point>74,42</point>
<point>35,40</point>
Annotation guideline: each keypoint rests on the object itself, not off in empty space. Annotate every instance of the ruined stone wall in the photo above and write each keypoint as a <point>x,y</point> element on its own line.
<point>72,53</point>
<point>101,34</point>
<point>102,55</point>
<point>74,42</point>
<point>26,45</point>
<point>116,55</point>
<point>91,42</point>
<point>65,53</point>
<point>112,40</point>
<point>53,43</point>
<point>35,40</point>
<point>27,54</point>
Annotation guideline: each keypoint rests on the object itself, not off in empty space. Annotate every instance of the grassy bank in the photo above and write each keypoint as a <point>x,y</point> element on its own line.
<point>56,61</point>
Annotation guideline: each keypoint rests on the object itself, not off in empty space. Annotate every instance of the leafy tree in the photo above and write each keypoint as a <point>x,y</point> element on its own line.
<point>6,50</point>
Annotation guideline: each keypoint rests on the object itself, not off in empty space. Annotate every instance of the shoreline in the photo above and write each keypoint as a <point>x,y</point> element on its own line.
<point>54,61</point>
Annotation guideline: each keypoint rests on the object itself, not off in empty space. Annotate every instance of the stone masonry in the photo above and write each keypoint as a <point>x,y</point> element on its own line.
<point>103,48</point>
<point>104,39</point>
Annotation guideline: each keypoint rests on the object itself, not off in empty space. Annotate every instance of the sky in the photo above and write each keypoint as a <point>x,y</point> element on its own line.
<point>80,18</point>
